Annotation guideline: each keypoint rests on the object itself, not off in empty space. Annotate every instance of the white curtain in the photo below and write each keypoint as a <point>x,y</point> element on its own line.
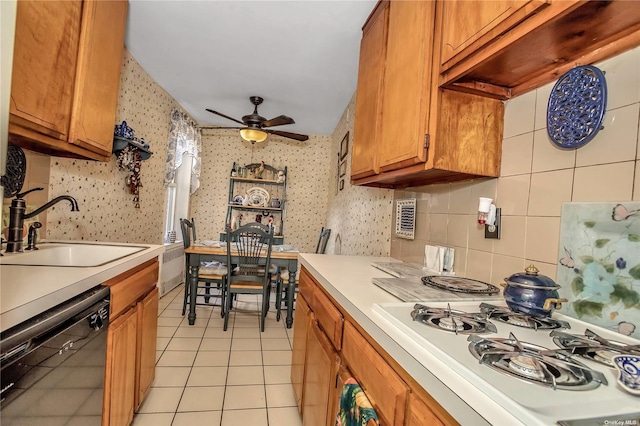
<point>184,138</point>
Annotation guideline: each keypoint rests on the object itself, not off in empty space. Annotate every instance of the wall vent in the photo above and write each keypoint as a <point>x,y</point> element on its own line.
<point>406,218</point>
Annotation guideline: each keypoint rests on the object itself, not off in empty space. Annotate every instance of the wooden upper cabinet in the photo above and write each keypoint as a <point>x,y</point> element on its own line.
<point>66,71</point>
<point>507,48</point>
<point>407,84</point>
<point>373,48</point>
<point>467,24</point>
<point>98,75</point>
<point>44,65</point>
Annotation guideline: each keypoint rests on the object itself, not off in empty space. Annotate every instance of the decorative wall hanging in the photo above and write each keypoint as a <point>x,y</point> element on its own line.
<point>576,107</point>
<point>130,151</point>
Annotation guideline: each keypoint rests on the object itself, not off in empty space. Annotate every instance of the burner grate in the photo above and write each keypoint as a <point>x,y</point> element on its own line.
<point>453,321</point>
<point>593,347</point>
<point>520,320</point>
<point>551,368</point>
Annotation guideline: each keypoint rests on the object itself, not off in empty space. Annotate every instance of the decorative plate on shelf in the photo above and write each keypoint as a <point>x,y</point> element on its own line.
<point>576,107</point>
<point>258,196</point>
<point>237,199</point>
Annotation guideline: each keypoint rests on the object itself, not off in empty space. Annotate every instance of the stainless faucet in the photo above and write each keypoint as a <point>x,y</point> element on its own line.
<point>17,216</point>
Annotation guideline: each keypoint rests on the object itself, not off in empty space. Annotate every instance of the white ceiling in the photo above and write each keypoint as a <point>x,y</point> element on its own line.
<point>300,56</point>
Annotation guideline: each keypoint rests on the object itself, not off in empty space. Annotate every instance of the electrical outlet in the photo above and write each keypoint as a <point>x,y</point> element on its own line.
<point>495,229</point>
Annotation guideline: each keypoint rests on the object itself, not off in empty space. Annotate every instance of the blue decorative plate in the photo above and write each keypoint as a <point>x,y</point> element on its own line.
<point>576,107</point>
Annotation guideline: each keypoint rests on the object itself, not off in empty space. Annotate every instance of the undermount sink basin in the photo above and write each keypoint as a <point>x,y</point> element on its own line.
<point>70,255</point>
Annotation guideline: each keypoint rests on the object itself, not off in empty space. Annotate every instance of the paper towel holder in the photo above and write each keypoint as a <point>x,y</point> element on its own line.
<point>489,216</point>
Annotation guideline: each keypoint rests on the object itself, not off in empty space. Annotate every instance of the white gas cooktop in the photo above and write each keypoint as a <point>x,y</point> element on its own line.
<point>508,398</point>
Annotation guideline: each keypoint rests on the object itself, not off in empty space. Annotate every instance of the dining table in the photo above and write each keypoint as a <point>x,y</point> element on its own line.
<point>198,252</point>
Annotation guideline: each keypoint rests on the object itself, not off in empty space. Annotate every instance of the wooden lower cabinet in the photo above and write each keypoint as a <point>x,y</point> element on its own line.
<point>131,343</point>
<point>147,311</point>
<point>301,323</point>
<point>322,363</point>
<point>420,414</point>
<point>121,370</point>
<point>387,392</point>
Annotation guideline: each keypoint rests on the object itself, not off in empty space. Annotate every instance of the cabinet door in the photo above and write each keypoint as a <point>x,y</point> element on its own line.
<point>301,322</point>
<point>44,65</point>
<point>119,394</point>
<point>98,75</point>
<point>366,130</point>
<point>322,364</point>
<point>407,79</point>
<point>466,22</point>
<point>386,391</point>
<point>146,344</point>
<point>420,414</point>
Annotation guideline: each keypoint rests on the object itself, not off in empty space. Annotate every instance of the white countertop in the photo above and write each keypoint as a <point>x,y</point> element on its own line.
<point>348,280</point>
<point>26,291</point>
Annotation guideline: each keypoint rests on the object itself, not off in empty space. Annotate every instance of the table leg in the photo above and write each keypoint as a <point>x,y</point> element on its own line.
<point>290,296</point>
<point>193,292</point>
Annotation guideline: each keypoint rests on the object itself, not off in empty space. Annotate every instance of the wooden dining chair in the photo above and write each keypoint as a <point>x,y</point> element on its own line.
<point>250,273</point>
<point>188,229</point>
<point>282,279</point>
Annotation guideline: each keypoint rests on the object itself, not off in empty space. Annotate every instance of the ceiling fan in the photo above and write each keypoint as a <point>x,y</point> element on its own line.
<point>254,124</point>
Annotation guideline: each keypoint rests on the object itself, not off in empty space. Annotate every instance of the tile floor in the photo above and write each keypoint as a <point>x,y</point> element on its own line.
<point>207,376</point>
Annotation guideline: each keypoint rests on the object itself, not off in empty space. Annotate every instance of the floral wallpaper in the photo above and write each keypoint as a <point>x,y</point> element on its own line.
<point>359,217</point>
<point>107,210</point>
<point>308,165</point>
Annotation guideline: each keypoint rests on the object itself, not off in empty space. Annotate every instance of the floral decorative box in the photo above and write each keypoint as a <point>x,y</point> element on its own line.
<point>599,264</point>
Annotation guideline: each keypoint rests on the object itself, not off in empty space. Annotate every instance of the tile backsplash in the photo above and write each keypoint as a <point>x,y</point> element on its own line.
<point>536,178</point>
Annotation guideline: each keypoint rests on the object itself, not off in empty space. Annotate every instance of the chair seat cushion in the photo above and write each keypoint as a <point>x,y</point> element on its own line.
<point>212,268</point>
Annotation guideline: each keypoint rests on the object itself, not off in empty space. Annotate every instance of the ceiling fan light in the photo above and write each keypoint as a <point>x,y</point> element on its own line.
<point>253,135</point>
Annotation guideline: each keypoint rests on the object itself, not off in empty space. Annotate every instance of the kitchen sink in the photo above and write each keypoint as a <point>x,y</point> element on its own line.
<point>76,255</point>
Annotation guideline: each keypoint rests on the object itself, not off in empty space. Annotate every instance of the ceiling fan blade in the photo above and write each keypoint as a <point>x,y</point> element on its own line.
<point>219,127</point>
<point>278,121</point>
<point>296,136</point>
<point>225,116</point>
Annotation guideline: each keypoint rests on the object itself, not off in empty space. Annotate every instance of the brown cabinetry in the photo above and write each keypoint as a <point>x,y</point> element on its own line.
<point>373,48</point>
<point>131,342</point>
<point>385,389</point>
<point>66,72</point>
<point>470,24</point>
<point>121,370</point>
<point>320,367</point>
<point>422,134</point>
<point>322,362</point>
<point>504,48</point>
<point>301,323</point>
<point>420,414</point>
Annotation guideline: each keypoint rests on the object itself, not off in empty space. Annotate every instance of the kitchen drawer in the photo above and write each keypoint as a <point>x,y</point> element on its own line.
<point>306,286</point>
<point>127,288</point>
<point>329,317</point>
<point>385,389</point>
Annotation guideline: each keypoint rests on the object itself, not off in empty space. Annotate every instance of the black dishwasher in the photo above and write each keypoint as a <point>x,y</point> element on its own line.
<point>53,365</point>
